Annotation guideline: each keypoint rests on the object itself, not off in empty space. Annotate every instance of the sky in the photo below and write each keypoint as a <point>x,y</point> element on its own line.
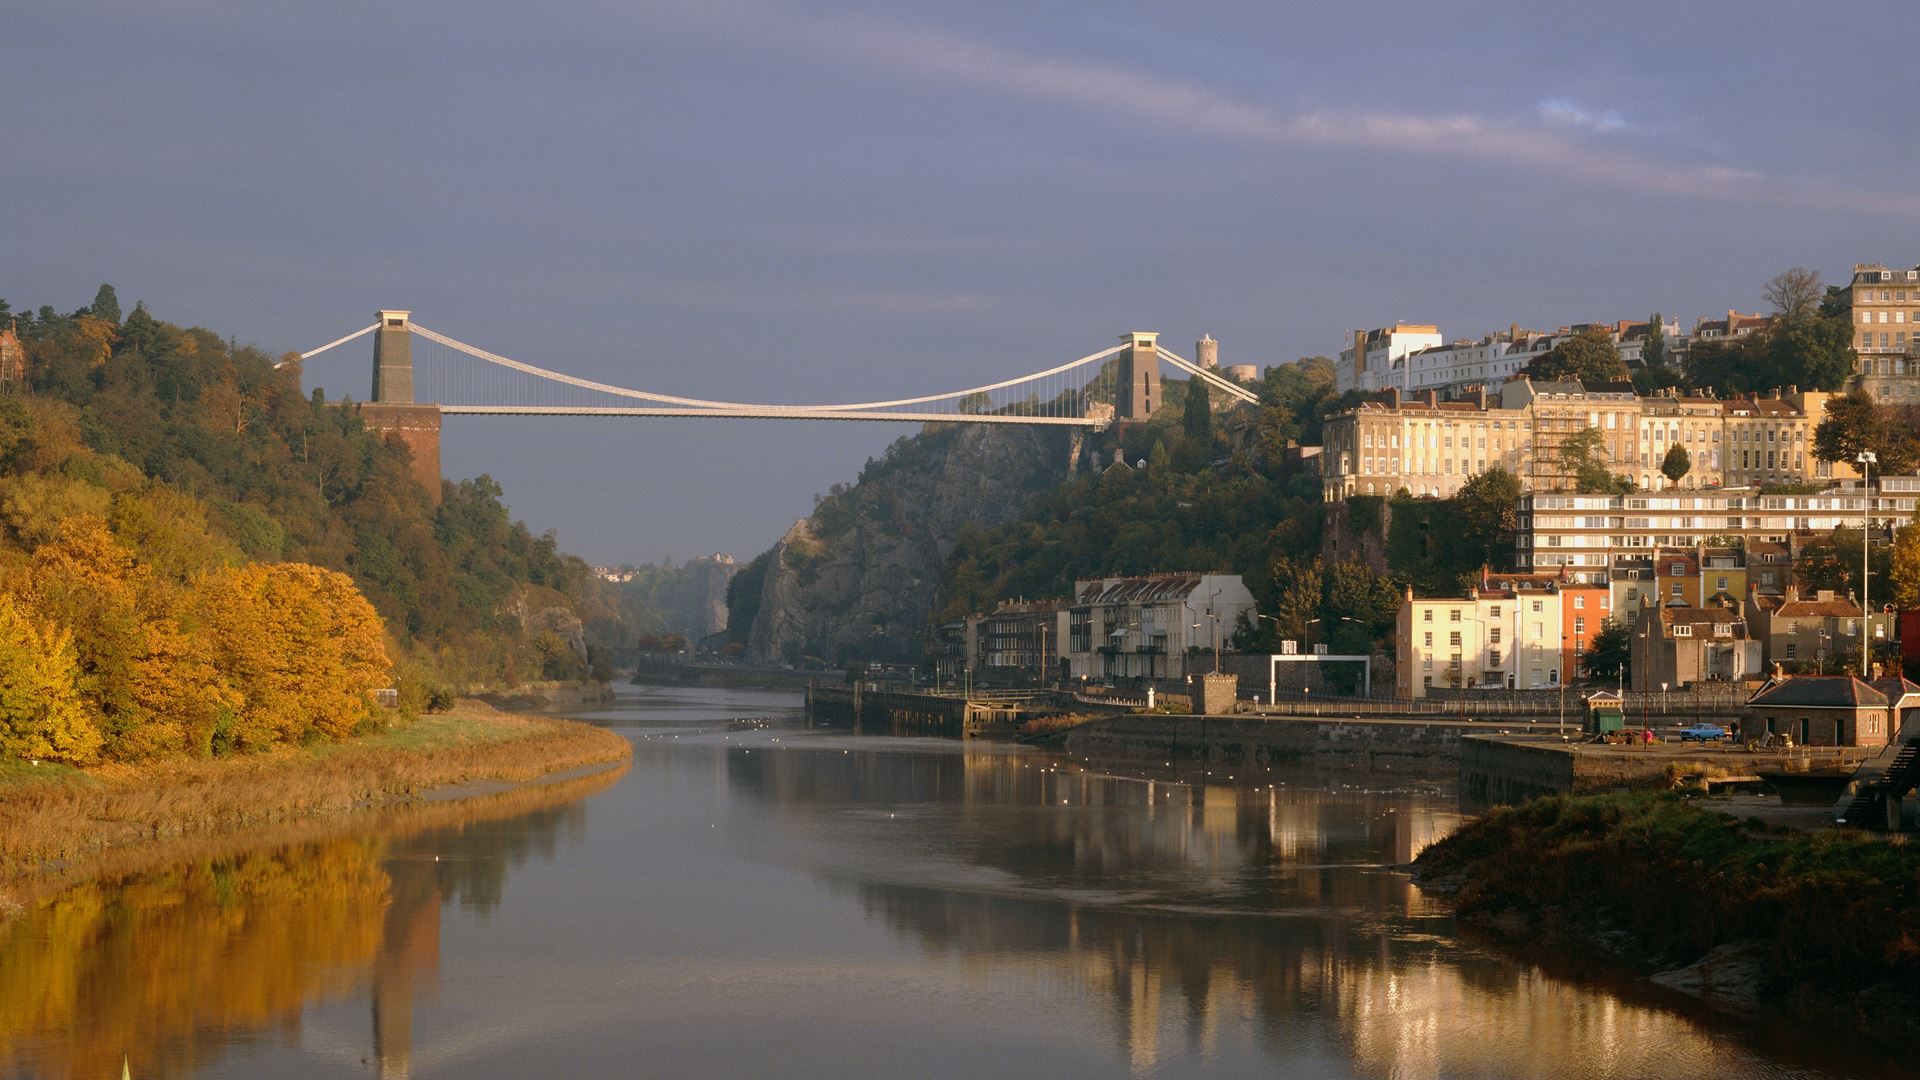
<point>774,201</point>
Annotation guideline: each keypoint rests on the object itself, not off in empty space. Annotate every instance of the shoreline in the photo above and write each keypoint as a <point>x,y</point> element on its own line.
<point>60,831</point>
<point>1742,916</point>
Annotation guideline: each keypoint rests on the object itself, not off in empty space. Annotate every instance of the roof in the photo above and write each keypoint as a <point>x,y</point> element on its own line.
<point>1151,589</point>
<point>1823,692</point>
<point>1697,616</point>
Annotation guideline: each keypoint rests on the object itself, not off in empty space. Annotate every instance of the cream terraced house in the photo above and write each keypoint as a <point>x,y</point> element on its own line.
<point>1485,639</point>
<point>1883,306</point>
<point>1431,447</point>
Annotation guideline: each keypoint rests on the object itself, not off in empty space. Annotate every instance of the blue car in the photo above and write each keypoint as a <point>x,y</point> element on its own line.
<point>1702,732</point>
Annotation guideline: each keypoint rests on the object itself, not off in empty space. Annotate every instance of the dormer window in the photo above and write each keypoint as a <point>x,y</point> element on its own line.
<point>1683,630</point>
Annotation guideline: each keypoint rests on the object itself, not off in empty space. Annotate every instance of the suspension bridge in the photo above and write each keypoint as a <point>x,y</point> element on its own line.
<point>463,379</point>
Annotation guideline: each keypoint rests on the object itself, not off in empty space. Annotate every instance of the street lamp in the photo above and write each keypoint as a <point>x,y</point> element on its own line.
<point>1866,458</point>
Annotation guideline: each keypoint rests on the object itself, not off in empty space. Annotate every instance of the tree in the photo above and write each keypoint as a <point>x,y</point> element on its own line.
<point>1904,567</point>
<point>1610,653</point>
<point>1857,422</point>
<point>1490,509</point>
<point>105,305</point>
<point>41,712</point>
<point>1589,356</point>
<point>1676,464</point>
<point>1795,295</point>
<point>1298,591</point>
<point>975,403</point>
<point>1654,353</point>
<point>1198,420</point>
<point>1583,456</point>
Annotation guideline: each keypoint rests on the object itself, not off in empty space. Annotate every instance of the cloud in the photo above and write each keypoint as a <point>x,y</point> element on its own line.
<point>1569,114</point>
<point>1554,141</point>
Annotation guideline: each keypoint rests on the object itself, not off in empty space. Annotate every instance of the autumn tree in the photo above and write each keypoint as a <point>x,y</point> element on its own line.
<point>1904,567</point>
<point>1794,294</point>
<point>41,711</point>
<point>299,645</point>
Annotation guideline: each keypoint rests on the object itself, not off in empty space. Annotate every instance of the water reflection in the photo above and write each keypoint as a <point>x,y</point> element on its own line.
<point>1201,912</point>
<point>169,966</point>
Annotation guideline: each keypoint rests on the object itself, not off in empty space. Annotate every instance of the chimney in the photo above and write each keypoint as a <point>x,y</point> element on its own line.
<point>1793,593</point>
<point>1431,397</point>
<point>1513,331</point>
<point>1393,397</point>
<point>1480,398</point>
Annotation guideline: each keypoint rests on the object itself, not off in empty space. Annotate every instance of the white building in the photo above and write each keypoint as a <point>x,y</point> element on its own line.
<point>1585,531</point>
<point>1486,639</point>
<point>1144,627</point>
<point>1372,359</point>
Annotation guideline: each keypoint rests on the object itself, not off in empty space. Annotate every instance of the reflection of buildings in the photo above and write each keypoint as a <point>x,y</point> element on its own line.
<point>1209,921</point>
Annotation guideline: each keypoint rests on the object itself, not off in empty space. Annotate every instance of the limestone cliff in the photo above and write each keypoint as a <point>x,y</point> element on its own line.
<point>856,580</point>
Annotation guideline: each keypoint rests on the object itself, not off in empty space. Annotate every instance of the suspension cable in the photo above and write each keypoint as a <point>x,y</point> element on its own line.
<point>669,399</point>
<point>342,341</point>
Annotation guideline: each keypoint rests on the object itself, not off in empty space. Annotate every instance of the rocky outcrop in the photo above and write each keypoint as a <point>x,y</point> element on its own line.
<point>857,579</point>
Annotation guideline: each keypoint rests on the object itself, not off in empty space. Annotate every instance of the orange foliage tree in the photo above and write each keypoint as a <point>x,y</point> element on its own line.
<point>41,714</point>
<point>298,644</point>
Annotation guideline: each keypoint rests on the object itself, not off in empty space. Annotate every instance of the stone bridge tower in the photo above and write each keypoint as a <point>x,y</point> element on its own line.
<point>393,410</point>
<point>1139,391</point>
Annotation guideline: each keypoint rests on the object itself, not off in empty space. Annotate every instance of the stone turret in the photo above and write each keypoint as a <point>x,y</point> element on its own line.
<point>1139,390</point>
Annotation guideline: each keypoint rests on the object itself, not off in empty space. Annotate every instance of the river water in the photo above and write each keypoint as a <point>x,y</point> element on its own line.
<point>751,898</point>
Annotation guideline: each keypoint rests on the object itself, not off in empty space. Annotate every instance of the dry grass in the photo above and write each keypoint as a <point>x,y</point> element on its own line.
<point>50,823</point>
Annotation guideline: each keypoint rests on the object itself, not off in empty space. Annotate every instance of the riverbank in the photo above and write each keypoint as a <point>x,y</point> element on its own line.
<point>1735,912</point>
<point>55,820</point>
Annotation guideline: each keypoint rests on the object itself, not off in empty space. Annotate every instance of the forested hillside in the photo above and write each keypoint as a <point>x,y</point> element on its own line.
<point>207,546</point>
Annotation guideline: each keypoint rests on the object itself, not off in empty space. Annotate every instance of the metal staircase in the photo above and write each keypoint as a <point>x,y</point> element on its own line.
<point>1896,780</point>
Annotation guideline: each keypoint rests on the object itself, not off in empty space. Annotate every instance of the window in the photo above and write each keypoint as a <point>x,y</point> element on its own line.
<point>1426,615</point>
<point>1453,615</point>
<point>1453,639</point>
<point>1579,624</point>
<point>1493,635</point>
<point>1721,629</point>
<point>1790,650</point>
<point>1493,658</point>
<point>1682,630</point>
<point>1676,589</point>
<point>1720,583</point>
<point>1536,607</point>
<point>1493,612</point>
<point>1579,603</point>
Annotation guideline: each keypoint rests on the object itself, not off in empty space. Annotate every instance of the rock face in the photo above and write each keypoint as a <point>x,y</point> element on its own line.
<point>857,579</point>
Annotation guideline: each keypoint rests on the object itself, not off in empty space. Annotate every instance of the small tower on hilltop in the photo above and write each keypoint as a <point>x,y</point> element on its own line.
<point>13,360</point>
<point>1206,352</point>
<point>393,358</point>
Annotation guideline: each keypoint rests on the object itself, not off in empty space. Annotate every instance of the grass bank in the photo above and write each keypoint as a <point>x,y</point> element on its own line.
<point>52,818</point>
<point>1826,924</point>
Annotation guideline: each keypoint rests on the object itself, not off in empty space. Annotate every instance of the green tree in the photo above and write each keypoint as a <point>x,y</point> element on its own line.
<point>1198,419</point>
<point>105,305</point>
<point>1857,422</point>
<point>1299,589</point>
<point>1676,464</point>
<point>1904,567</point>
<point>1490,510</point>
<point>1609,655</point>
<point>1583,456</point>
<point>1654,353</point>
<point>1589,356</point>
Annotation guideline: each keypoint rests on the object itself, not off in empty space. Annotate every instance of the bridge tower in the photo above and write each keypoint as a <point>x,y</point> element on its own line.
<point>1139,391</point>
<point>393,410</point>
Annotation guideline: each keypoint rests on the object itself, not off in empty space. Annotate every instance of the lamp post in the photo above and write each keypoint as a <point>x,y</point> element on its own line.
<point>1563,686</point>
<point>1866,458</point>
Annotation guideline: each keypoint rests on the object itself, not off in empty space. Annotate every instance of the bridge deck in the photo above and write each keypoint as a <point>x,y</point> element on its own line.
<point>769,414</point>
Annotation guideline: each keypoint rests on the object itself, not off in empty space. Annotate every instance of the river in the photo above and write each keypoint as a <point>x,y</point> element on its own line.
<point>751,898</point>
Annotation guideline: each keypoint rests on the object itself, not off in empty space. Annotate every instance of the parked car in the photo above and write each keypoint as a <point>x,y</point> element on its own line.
<point>1702,732</point>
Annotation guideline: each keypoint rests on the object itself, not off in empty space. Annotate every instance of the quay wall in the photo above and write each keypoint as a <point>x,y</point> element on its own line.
<point>1428,748</point>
